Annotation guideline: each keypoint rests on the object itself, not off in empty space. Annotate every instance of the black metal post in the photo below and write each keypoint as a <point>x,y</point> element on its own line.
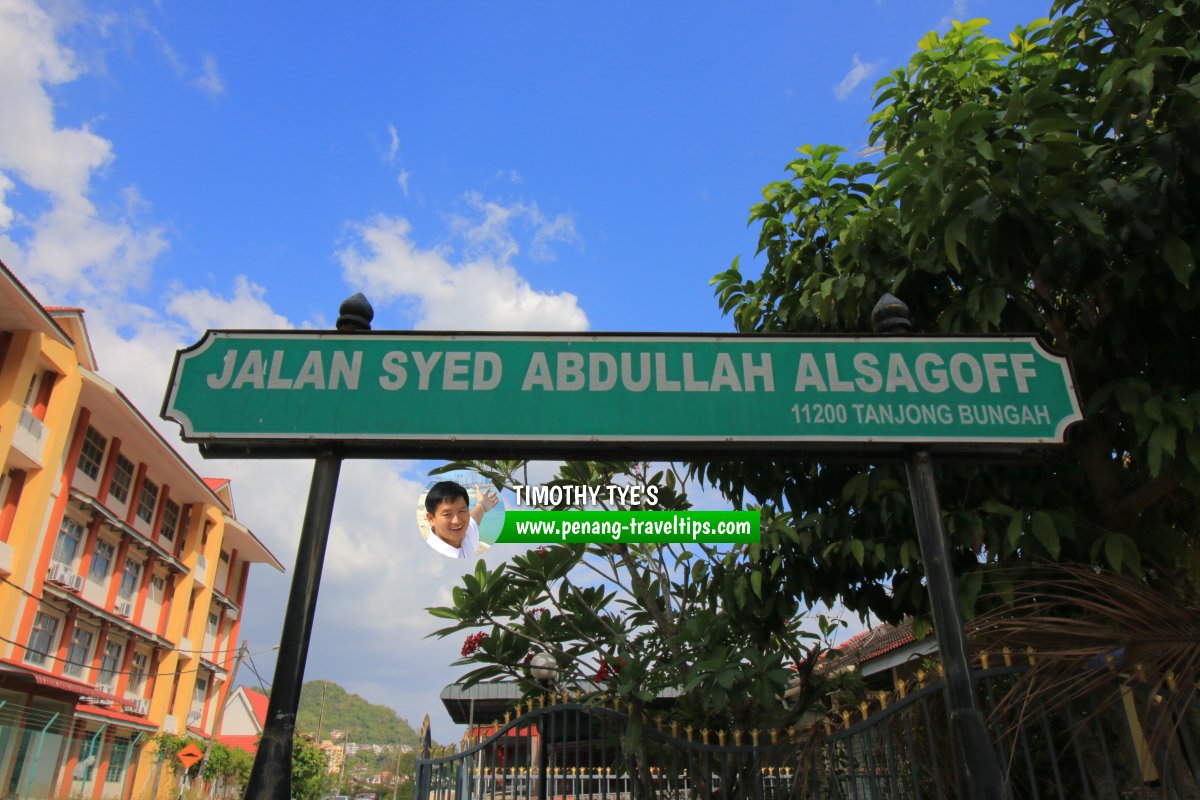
<point>976,768</point>
<point>271,775</point>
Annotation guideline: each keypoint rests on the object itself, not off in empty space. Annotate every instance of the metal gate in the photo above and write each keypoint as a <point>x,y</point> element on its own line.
<point>892,746</point>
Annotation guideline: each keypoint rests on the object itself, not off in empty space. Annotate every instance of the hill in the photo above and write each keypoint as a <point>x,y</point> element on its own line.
<point>363,722</point>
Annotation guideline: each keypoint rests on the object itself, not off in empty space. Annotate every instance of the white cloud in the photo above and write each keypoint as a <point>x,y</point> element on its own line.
<point>393,145</point>
<point>510,175</point>
<point>494,236</point>
<point>958,11</point>
<point>210,81</point>
<point>70,243</point>
<point>479,291</point>
<point>393,155</point>
<point>246,308</point>
<point>858,73</point>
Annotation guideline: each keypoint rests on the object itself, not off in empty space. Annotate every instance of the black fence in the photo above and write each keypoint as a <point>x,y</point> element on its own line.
<point>894,746</point>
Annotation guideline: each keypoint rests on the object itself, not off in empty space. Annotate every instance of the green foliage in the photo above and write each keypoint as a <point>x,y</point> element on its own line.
<point>226,765</point>
<point>343,711</point>
<point>639,622</point>
<point>1045,183</point>
<point>310,765</point>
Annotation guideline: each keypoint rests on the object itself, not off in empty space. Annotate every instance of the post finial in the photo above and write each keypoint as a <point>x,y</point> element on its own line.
<point>890,315</point>
<point>355,314</point>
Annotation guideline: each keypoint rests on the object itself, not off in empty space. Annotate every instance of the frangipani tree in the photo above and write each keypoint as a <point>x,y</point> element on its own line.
<point>640,621</point>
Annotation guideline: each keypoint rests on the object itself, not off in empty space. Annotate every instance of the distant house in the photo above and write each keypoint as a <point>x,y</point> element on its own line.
<point>245,715</point>
<point>882,654</point>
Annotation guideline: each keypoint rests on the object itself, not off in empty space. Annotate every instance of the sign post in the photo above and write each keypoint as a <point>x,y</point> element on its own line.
<point>354,392</point>
<point>271,775</point>
<point>977,772</point>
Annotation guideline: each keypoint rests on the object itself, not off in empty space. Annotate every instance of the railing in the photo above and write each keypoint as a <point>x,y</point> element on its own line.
<point>35,745</point>
<point>897,749</point>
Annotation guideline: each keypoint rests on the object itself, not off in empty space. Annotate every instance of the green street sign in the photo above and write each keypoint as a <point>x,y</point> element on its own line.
<point>584,394</point>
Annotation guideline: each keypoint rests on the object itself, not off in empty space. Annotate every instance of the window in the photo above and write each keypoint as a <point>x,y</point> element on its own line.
<point>170,521</point>
<point>147,501</point>
<point>109,664</point>
<point>70,535</point>
<point>102,559</point>
<point>122,479</point>
<point>158,582</point>
<point>200,692</point>
<point>225,557</point>
<point>41,638</point>
<point>92,454</point>
<point>214,621</point>
<point>117,759</point>
<point>129,579</point>
<point>138,670</point>
<point>78,652</point>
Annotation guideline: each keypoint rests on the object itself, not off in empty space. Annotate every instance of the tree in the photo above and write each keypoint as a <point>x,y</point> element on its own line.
<point>226,766</point>
<point>635,621</point>
<point>310,769</point>
<point>1043,184</point>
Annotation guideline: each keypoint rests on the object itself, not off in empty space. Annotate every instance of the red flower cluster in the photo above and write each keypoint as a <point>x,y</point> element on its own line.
<point>533,612</point>
<point>609,670</point>
<point>541,551</point>
<point>528,657</point>
<point>472,643</point>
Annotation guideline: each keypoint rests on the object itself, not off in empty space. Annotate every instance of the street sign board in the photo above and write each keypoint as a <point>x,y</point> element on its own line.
<point>580,394</point>
<point>189,755</point>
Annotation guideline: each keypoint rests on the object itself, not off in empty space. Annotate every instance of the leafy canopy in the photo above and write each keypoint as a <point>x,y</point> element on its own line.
<point>1045,183</point>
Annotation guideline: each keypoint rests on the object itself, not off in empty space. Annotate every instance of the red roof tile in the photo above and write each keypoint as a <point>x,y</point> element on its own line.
<point>247,743</point>
<point>876,642</point>
<point>216,483</point>
<point>258,702</point>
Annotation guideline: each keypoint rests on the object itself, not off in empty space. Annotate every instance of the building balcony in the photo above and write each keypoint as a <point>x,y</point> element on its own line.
<point>86,503</point>
<point>29,442</point>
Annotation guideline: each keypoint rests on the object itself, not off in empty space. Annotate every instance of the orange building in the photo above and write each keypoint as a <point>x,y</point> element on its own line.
<point>122,572</point>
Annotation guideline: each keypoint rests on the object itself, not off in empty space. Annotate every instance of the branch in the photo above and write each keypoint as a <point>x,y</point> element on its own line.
<point>1130,507</point>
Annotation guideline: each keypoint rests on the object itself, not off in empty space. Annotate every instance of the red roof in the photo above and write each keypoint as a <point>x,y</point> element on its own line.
<point>63,308</point>
<point>878,641</point>
<point>491,730</point>
<point>258,704</point>
<point>247,743</point>
<point>216,483</point>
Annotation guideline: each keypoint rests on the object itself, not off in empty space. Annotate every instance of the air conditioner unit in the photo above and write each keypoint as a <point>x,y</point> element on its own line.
<point>74,582</point>
<point>124,608</point>
<point>57,573</point>
<point>141,707</point>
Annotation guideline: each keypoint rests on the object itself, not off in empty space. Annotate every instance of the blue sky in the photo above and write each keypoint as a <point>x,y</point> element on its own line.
<point>176,167</point>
